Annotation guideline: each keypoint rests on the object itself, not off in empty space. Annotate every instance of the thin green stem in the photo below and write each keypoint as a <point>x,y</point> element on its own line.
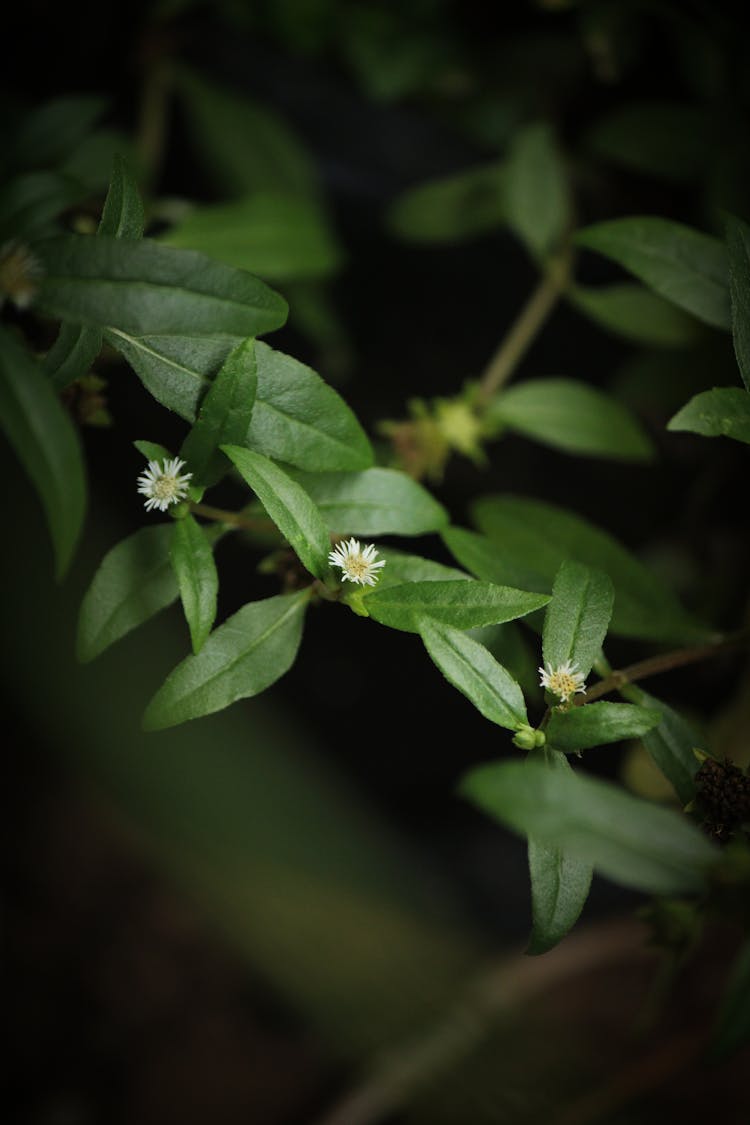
<point>524,329</point>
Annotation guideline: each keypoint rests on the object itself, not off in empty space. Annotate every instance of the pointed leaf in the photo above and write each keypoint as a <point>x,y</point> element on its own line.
<point>722,412</point>
<point>577,618</point>
<point>224,415</point>
<point>474,671</point>
<point>632,842</point>
<point>671,744</point>
<point>537,196</point>
<point>462,604</point>
<point>46,443</point>
<point>244,656</point>
<point>559,883</point>
<point>198,582</point>
<point>594,724</point>
<point>153,451</point>
<point>738,246</point>
<point>684,265</point>
<point>374,502</point>
<point>288,505</point>
<point>123,215</point>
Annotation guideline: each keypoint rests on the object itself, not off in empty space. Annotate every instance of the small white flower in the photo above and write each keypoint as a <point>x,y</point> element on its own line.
<point>357,563</point>
<point>163,484</point>
<point>563,681</point>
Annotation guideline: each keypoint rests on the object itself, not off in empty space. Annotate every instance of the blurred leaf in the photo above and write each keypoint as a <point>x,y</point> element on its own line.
<point>683,265</point>
<point>46,444</point>
<point>571,416</point>
<point>577,618</point>
<point>152,451</point>
<point>668,140</point>
<point>144,288</point>
<point>670,744</point>
<point>244,146</point>
<point>462,604</point>
<point>559,884</point>
<point>278,237</point>
<point>47,134</point>
<point>635,313</point>
<point>632,842</point>
<point>738,246</point>
<point>133,582</point>
<point>288,505</point>
<point>224,415</point>
<point>452,208</point>
<point>195,570</point>
<point>722,412</point>
<point>473,671</point>
<point>594,724</point>
<point>527,540</point>
<point>90,162</point>
<point>29,203</point>
<point>537,198</point>
<point>373,502</point>
<point>244,656</point>
<point>389,54</point>
<point>733,1026</point>
<point>77,346</point>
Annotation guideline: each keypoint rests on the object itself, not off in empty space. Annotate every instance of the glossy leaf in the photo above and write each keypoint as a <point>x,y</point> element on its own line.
<point>738,246</point>
<point>462,604</point>
<point>278,237</point>
<point>134,581</point>
<point>46,444</point>
<point>224,415</point>
<point>142,288</point>
<point>631,841</point>
<point>288,505</point>
<point>473,671</point>
<point>571,416</point>
<point>722,412</point>
<point>537,198</point>
<point>374,502</point>
<point>683,265</point>
<point>530,540</point>
<point>452,208</point>
<point>595,724</point>
<point>636,313</point>
<point>198,582</point>
<point>559,883</point>
<point>670,743</point>
<point>577,618</point>
<point>244,656</point>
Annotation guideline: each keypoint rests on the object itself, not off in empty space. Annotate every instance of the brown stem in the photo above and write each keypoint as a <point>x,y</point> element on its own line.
<point>236,519</point>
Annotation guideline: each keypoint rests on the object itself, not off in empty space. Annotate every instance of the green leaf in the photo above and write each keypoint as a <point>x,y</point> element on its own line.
<point>594,724</point>
<point>733,1025</point>
<point>134,581</point>
<point>90,162</point>
<point>244,656</point>
<point>402,567</point>
<point>278,237</point>
<point>288,505</point>
<point>465,605</point>
<point>48,133</point>
<point>474,671</point>
<point>671,744</point>
<point>537,198</point>
<point>559,883</point>
<point>528,540</point>
<point>631,841</point>
<point>153,451</point>
<point>683,265</point>
<point>452,208</point>
<point>46,444</point>
<point>245,147</point>
<point>77,346</point>
<point>571,416</point>
<point>29,203</point>
<point>195,570</point>
<point>738,246</point>
<point>374,502</point>
<point>577,618</point>
<point>669,140</point>
<point>142,288</point>
<point>635,313</point>
<point>722,412</point>
<point>508,644</point>
<point>224,415</point>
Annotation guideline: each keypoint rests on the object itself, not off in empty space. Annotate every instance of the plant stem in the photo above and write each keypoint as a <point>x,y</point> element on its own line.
<point>526,326</point>
<point>236,519</point>
<point>662,663</point>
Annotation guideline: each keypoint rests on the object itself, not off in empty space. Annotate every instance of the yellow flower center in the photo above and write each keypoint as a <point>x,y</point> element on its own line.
<point>563,684</point>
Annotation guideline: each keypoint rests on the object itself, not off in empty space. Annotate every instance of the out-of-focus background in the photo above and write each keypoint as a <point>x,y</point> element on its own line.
<point>283,913</point>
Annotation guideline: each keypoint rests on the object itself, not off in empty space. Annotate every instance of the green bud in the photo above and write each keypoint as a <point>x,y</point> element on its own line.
<point>525,738</point>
